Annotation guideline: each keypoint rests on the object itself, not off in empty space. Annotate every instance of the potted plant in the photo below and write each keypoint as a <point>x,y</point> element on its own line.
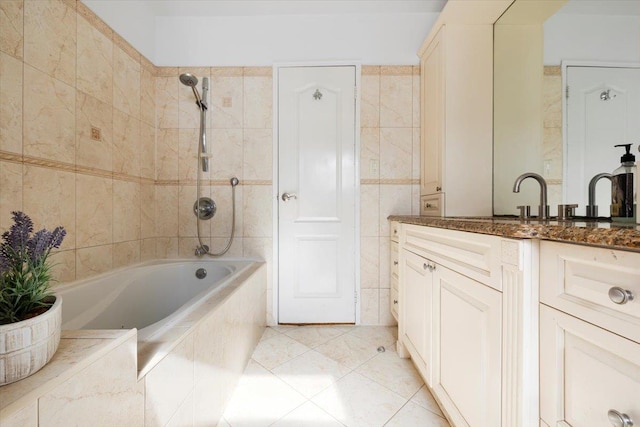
<point>30,315</point>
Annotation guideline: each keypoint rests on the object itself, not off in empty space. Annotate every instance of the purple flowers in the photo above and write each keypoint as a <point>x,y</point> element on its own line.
<point>24,271</point>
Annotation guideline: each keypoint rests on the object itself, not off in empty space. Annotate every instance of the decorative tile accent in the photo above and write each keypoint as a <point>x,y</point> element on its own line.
<point>93,113</point>
<point>258,100</point>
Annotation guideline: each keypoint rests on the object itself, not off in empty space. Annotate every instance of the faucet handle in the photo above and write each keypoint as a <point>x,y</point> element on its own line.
<point>543,212</point>
<point>525,211</point>
<point>567,211</point>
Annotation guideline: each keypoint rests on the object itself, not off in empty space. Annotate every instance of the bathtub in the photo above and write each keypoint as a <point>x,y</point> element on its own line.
<point>149,297</point>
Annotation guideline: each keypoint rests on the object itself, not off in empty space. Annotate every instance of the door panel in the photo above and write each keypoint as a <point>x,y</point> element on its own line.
<point>603,107</point>
<point>316,140</point>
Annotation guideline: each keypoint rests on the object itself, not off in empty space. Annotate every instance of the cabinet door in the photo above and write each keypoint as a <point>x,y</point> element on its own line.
<point>467,349</point>
<point>585,372</point>
<point>416,310</point>
<point>432,97</point>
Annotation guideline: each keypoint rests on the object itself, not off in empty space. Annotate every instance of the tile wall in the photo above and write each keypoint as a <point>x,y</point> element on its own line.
<point>63,75</point>
<point>128,196</point>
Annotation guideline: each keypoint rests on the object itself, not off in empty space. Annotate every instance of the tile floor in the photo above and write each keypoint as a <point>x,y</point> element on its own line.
<point>325,376</point>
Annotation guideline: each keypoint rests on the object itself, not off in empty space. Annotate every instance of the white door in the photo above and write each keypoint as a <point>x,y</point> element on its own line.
<point>316,176</point>
<point>603,106</point>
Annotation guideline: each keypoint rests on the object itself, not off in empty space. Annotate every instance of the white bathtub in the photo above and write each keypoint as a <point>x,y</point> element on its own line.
<point>149,297</point>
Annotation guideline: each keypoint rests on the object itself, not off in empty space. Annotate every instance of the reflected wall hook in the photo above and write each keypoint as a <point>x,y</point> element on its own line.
<point>317,95</point>
<point>606,95</point>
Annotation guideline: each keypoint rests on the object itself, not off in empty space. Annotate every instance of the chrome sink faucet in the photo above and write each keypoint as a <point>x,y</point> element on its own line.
<point>543,209</point>
<point>592,208</point>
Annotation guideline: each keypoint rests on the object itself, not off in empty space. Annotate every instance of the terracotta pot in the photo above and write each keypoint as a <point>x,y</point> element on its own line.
<point>27,346</point>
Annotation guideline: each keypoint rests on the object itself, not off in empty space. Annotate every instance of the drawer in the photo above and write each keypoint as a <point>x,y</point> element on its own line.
<point>578,279</point>
<point>585,372</point>
<point>395,260</point>
<point>394,302</point>
<point>477,256</point>
<point>432,205</point>
<point>395,231</point>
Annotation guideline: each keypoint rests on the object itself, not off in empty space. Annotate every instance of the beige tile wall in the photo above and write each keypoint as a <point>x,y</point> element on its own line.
<point>129,196</point>
<point>64,72</point>
<point>552,136</point>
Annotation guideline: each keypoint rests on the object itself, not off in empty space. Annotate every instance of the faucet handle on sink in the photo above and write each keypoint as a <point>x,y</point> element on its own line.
<point>567,211</point>
<point>525,211</point>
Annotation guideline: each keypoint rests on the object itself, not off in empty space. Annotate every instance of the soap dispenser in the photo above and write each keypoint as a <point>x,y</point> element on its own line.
<point>623,193</point>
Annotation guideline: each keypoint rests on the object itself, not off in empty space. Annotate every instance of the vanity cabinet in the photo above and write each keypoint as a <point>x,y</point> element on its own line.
<point>469,323</point>
<point>589,335</point>
<point>456,120</point>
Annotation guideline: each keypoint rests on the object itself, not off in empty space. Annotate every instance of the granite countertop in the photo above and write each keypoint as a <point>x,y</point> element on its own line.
<point>601,233</point>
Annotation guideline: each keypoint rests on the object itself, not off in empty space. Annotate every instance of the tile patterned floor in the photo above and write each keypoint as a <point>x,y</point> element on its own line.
<point>326,376</point>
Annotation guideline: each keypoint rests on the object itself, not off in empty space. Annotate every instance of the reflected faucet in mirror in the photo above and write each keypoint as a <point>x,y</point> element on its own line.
<point>592,208</point>
<point>543,209</point>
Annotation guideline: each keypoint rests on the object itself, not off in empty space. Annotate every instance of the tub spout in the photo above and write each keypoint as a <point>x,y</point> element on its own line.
<point>201,250</point>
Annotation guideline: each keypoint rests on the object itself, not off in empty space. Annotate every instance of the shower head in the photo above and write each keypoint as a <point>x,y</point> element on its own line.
<point>188,80</point>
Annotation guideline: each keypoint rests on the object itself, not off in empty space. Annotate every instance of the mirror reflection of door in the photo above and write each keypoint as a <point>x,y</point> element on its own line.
<point>602,106</point>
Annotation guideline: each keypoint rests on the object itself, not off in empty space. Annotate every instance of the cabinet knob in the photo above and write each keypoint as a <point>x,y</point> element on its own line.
<point>620,296</point>
<point>428,205</point>
<point>395,262</point>
<point>395,301</point>
<point>395,231</point>
<point>619,420</point>
<point>438,188</point>
<point>425,266</point>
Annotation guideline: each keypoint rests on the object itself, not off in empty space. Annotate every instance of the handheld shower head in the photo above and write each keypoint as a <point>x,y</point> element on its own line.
<point>188,79</point>
<point>191,81</point>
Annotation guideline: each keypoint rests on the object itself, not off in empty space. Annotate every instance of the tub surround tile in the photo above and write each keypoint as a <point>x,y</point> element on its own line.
<point>10,192</point>
<point>167,159</point>
<point>75,353</point>
<point>147,95</point>
<point>257,220</point>
<point>188,165</point>
<point>124,45</point>
<point>12,27</point>
<point>394,200</point>
<point>396,93</point>
<point>126,144</point>
<point>187,221</point>
<point>221,222</point>
<point>414,415</point>
<point>148,249</point>
<point>258,100</point>
<point>167,211</point>
<point>147,151</point>
<point>147,211</point>
<point>167,102</point>
<point>95,62</point>
<point>105,390</point>
<point>307,414</point>
<point>169,383</point>
<point>355,400</point>
<point>49,117</point>
<point>257,71</point>
<point>310,373</point>
<point>226,104</point>
<point>50,38</point>
<point>126,211</point>
<point>94,211</point>
<point>64,266</point>
<point>11,105</point>
<point>126,82</point>
<point>49,197</point>
<point>166,247</point>
<point>93,19</point>
<point>258,151</point>
<point>93,151</point>
<point>226,144</point>
<point>126,253</point>
<point>93,261</point>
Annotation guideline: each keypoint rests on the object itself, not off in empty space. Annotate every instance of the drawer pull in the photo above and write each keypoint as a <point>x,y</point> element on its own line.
<point>395,301</point>
<point>425,266</point>
<point>438,188</point>
<point>431,266</point>
<point>395,262</point>
<point>428,205</point>
<point>620,296</point>
<point>619,420</point>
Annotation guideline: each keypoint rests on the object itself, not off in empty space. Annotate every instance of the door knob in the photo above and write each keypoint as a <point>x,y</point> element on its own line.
<point>287,196</point>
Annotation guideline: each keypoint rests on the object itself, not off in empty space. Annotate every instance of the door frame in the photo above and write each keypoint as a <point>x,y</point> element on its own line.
<point>275,186</point>
<point>563,69</point>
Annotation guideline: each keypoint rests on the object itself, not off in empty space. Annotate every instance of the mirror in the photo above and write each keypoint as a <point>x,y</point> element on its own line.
<point>537,45</point>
